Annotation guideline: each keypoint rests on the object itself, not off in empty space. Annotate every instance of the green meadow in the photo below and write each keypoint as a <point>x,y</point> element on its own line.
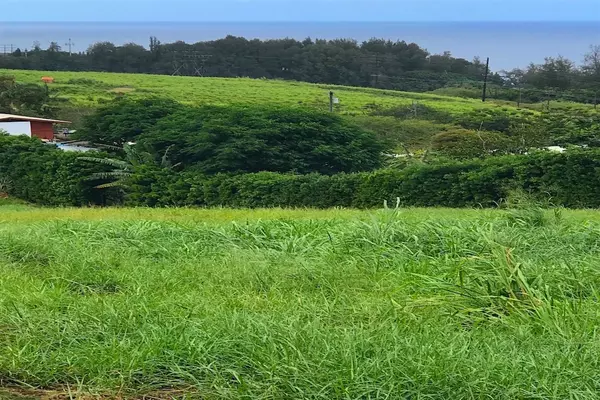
<point>305,304</point>
<point>87,89</point>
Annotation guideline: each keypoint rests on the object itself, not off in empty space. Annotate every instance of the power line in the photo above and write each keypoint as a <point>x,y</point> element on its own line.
<point>70,44</point>
<point>6,49</point>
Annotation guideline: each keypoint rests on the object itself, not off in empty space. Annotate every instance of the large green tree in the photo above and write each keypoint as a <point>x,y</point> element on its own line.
<point>123,120</point>
<point>235,139</point>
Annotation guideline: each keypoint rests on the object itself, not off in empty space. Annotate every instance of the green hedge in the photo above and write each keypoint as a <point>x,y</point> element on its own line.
<point>42,174</point>
<point>571,179</point>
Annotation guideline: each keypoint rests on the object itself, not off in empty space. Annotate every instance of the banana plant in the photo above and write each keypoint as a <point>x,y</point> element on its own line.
<point>123,169</point>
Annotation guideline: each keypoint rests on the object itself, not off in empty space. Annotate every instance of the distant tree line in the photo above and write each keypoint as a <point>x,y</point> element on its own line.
<point>558,73</point>
<point>373,63</point>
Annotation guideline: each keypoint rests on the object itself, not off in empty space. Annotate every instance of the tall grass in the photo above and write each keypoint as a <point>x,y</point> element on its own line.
<point>397,304</point>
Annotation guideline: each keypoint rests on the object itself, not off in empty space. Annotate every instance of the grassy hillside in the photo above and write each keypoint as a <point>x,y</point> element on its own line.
<point>88,88</point>
<point>390,114</point>
<point>274,304</point>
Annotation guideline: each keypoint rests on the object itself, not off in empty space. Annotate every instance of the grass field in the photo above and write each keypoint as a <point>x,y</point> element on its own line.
<point>87,89</point>
<point>281,304</point>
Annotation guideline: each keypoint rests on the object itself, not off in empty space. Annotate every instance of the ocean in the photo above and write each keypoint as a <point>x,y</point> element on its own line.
<point>508,44</point>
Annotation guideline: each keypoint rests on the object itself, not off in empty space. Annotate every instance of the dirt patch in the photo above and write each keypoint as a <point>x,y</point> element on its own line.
<point>122,90</point>
<point>74,394</point>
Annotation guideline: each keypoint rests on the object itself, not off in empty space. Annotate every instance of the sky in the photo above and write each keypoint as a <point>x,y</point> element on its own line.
<point>300,10</point>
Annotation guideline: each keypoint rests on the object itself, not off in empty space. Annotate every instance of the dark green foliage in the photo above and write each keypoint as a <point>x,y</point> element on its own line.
<point>25,99</point>
<point>45,175</point>
<point>570,179</point>
<point>125,119</point>
<point>42,174</point>
<point>576,127</point>
<point>397,65</point>
<point>236,139</point>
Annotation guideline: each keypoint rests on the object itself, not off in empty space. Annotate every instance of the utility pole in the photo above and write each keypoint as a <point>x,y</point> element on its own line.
<point>70,44</point>
<point>331,101</point>
<point>487,71</point>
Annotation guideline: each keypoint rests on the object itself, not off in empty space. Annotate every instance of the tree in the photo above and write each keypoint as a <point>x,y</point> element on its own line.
<point>236,140</point>
<point>135,158</point>
<point>591,66</point>
<point>125,119</point>
<point>103,56</point>
<point>54,48</point>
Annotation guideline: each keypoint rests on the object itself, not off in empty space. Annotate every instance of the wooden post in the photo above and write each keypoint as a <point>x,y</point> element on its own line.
<point>331,101</point>
<point>487,71</point>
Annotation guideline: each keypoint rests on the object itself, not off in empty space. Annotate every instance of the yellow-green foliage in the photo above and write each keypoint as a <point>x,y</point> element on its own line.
<point>87,89</point>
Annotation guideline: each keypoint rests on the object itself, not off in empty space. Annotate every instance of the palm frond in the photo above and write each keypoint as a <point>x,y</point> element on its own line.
<point>108,175</point>
<point>107,161</point>
<point>109,146</point>
<point>111,185</point>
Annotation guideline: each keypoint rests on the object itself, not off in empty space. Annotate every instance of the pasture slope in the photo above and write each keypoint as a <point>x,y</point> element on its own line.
<point>87,89</point>
<point>304,304</point>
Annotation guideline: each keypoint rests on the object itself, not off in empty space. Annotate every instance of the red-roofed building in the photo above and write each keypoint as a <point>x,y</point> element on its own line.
<point>42,128</point>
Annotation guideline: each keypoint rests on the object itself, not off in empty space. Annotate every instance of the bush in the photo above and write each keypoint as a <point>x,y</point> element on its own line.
<point>394,131</point>
<point>42,174</point>
<point>465,144</point>
<point>249,139</point>
<point>464,92</point>
<point>570,179</point>
<point>124,120</point>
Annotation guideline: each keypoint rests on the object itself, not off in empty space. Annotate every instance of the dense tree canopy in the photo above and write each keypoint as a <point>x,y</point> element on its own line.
<point>125,119</point>
<point>376,62</point>
<point>230,139</point>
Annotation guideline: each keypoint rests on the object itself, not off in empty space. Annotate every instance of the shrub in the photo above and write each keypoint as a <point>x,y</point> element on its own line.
<point>125,119</point>
<point>570,179</point>
<point>249,139</point>
<point>464,144</point>
<point>42,174</point>
<point>394,131</point>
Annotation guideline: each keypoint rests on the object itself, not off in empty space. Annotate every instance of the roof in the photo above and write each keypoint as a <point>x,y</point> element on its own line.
<point>11,117</point>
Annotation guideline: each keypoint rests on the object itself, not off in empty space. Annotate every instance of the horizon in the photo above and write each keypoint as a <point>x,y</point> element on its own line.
<point>510,44</point>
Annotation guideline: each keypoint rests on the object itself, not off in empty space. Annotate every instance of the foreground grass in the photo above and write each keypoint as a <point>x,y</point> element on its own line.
<point>275,304</point>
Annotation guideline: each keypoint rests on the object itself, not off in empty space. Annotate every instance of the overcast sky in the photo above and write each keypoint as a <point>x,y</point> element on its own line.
<point>300,10</point>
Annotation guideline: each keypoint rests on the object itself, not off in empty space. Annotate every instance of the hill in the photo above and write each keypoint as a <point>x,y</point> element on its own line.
<point>87,89</point>
<point>410,118</point>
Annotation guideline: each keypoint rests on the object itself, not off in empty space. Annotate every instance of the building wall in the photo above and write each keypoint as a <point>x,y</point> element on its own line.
<point>42,130</point>
<point>16,128</point>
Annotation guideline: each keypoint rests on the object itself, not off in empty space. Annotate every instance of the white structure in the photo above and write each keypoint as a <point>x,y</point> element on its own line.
<point>16,128</point>
<point>42,128</point>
